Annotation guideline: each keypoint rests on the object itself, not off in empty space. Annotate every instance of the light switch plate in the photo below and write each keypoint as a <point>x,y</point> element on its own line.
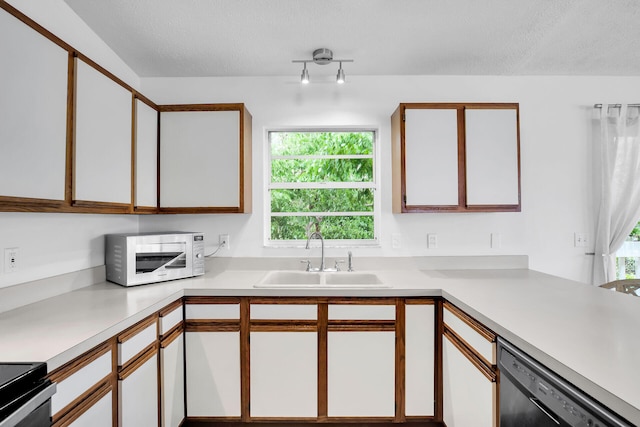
<point>432,240</point>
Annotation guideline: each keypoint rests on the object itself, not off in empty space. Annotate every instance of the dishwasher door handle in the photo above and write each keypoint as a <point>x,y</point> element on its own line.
<point>30,406</point>
<point>535,402</point>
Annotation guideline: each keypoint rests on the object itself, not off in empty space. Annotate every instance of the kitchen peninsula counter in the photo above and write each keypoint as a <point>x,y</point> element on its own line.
<point>588,335</point>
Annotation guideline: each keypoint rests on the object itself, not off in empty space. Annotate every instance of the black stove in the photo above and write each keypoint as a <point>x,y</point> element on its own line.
<point>25,395</point>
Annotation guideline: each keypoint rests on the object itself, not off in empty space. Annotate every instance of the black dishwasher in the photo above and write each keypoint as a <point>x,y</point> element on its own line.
<point>25,395</point>
<point>533,396</point>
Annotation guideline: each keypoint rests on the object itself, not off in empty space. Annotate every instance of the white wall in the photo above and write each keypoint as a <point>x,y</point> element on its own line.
<point>556,194</point>
<point>53,244</point>
<point>555,154</point>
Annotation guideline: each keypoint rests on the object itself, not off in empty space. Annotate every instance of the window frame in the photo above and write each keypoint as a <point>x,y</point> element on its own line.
<point>374,185</point>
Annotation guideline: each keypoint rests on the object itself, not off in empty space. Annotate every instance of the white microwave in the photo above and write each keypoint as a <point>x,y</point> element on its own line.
<point>141,258</point>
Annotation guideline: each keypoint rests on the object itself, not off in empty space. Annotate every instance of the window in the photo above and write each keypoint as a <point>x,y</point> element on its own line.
<point>628,256</point>
<point>325,177</point>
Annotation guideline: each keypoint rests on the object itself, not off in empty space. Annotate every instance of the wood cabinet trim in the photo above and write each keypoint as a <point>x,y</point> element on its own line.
<point>420,301</point>
<point>69,414</point>
<point>361,326</point>
<point>138,327</point>
<point>487,370</point>
<point>464,342</point>
<point>169,308</point>
<point>82,361</point>
<point>210,300</point>
<point>245,352</point>
<point>173,334</point>
<point>400,365</point>
<point>138,360</point>
<point>485,332</point>
<point>362,301</point>
<point>283,326</point>
<point>212,325</point>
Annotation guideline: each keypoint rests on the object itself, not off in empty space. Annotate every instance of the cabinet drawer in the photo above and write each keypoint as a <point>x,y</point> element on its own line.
<point>170,319</point>
<point>284,311</point>
<point>136,339</point>
<point>474,334</point>
<point>212,311</point>
<point>79,377</point>
<point>361,312</point>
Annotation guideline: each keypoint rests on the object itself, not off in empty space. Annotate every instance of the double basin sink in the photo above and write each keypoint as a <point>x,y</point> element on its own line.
<point>324,279</point>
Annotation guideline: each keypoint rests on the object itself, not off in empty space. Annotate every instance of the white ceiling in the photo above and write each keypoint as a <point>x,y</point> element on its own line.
<point>384,37</point>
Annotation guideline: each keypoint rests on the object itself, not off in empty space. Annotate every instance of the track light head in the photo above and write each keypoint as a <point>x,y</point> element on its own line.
<point>304,77</point>
<point>340,76</point>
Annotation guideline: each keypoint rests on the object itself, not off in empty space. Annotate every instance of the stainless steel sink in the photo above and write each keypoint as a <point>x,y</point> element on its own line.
<point>325,279</point>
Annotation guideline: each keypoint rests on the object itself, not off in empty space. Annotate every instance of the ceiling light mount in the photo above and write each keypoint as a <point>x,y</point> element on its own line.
<point>322,56</point>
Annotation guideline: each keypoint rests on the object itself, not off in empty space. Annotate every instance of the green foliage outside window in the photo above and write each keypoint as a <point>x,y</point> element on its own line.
<point>339,159</point>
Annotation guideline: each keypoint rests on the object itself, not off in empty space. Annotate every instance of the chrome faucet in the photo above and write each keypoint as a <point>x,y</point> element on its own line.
<point>316,235</point>
<point>350,265</point>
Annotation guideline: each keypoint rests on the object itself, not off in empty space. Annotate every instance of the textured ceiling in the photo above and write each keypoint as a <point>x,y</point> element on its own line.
<point>383,37</point>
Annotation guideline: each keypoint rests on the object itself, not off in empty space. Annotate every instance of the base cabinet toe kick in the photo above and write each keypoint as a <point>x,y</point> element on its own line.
<point>205,360</point>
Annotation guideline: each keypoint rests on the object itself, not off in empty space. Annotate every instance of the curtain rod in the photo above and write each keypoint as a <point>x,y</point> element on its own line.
<point>615,105</point>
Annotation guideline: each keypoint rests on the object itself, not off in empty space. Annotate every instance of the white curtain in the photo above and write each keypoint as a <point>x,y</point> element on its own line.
<point>617,180</point>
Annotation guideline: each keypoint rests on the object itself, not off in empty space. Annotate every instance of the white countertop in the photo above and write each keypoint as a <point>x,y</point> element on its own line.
<point>589,336</point>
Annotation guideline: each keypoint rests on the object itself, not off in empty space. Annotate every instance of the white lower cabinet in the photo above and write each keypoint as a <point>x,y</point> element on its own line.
<point>420,359</point>
<point>213,374</point>
<point>172,382</point>
<point>98,415</point>
<point>469,396</point>
<point>138,395</point>
<point>284,374</point>
<point>361,374</point>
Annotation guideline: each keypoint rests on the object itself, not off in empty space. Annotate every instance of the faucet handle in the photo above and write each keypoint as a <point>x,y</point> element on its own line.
<point>308,264</point>
<point>337,264</point>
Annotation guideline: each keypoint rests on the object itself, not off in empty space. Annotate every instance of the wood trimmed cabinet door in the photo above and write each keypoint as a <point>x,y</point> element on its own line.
<point>456,157</point>
<point>283,360</point>
<point>205,158</point>
<point>419,358</point>
<point>213,361</point>
<point>172,375</point>
<point>361,360</point>
<point>470,376</point>
<point>138,375</point>
<point>33,116</point>
<point>102,169</point>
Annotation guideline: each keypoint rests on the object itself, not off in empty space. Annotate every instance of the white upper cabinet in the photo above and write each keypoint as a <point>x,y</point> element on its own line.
<point>456,158</point>
<point>491,147</point>
<point>146,188</point>
<point>205,159</point>
<point>102,138</point>
<point>33,113</point>
<point>431,157</point>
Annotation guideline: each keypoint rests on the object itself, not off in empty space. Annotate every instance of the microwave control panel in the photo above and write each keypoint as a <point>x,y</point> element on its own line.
<point>198,254</point>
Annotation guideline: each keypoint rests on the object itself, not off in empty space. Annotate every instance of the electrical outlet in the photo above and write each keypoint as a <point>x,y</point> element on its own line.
<point>223,241</point>
<point>396,240</point>
<point>11,260</point>
<point>579,240</point>
<point>432,241</point>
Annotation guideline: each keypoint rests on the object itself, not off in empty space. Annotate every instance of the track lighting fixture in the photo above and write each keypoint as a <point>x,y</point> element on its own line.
<point>304,78</point>
<point>322,56</point>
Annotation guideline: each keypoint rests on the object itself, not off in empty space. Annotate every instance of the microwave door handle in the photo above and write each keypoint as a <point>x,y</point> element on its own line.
<point>535,402</point>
